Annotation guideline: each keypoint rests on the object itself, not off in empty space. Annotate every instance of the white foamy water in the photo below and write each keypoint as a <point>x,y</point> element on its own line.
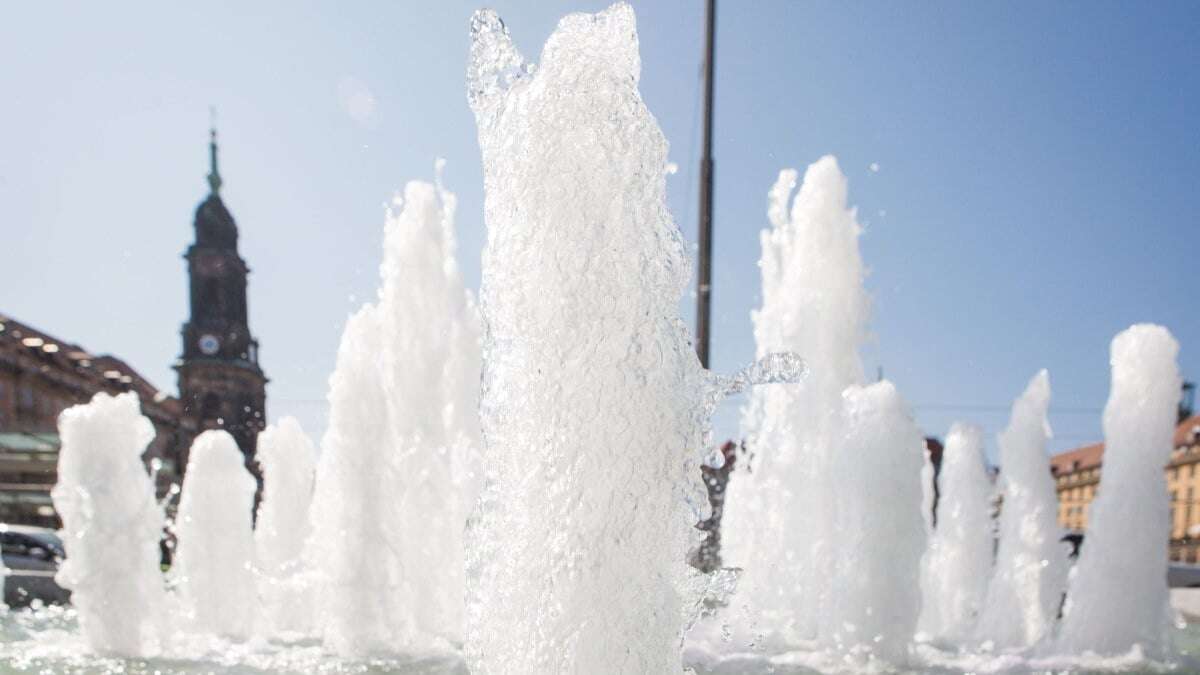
<point>958,562</point>
<point>399,464</point>
<point>1117,599</point>
<point>212,571</point>
<point>111,525</point>
<point>594,408</point>
<point>288,460</point>
<point>780,505</point>
<point>1025,592</point>
<point>593,398</point>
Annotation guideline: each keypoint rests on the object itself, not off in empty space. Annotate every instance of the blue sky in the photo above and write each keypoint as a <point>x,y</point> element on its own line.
<point>1038,168</point>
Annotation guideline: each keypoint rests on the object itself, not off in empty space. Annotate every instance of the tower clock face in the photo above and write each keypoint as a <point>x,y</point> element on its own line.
<point>209,344</point>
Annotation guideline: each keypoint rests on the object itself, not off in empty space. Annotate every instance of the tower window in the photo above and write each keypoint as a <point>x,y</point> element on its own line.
<point>210,406</point>
<point>209,298</point>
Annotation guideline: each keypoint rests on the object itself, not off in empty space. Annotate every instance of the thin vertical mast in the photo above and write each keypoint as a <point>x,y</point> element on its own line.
<point>704,280</point>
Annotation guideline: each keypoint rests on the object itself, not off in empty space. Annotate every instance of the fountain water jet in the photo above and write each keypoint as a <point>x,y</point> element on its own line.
<point>874,599</point>
<point>958,562</point>
<point>595,410</point>
<point>1120,568</point>
<point>1025,591</point>
<point>594,404</point>
<point>779,510</point>
<point>111,525</point>
<point>398,468</point>
<point>288,459</point>
<point>212,570</point>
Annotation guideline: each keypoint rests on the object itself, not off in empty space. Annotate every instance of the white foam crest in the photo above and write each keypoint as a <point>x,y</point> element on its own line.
<point>212,571</point>
<point>112,525</point>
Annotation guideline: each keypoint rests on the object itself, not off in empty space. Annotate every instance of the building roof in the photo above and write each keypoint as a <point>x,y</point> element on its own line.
<point>107,371</point>
<point>215,227</point>
<point>1187,431</point>
<point>1080,458</point>
<point>1092,455</point>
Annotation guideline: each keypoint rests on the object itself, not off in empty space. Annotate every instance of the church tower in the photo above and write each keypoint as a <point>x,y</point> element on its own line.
<point>220,383</point>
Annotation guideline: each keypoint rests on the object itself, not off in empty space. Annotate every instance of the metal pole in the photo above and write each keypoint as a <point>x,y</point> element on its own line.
<point>704,280</point>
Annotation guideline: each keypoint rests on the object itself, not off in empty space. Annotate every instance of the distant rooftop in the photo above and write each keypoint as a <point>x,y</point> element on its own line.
<point>50,350</point>
<point>1088,456</point>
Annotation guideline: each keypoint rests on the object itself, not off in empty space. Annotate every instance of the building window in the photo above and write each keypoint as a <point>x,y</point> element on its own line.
<point>1187,514</point>
<point>210,407</point>
<point>25,397</point>
<point>210,298</point>
<point>1174,509</point>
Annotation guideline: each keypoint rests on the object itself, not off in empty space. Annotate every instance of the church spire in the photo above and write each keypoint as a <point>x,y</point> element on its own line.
<point>214,176</point>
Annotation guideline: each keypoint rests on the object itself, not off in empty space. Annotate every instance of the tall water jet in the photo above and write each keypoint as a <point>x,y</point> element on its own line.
<point>593,398</point>
<point>288,460</point>
<point>112,525</point>
<point>212,571</point>
<point>1025,592</point>
<point>779,508</point>
<point>875,596</point>
<point>399,464</point>
<point>1122,567</point>
<point>958,562</point>
<point>357,592</point>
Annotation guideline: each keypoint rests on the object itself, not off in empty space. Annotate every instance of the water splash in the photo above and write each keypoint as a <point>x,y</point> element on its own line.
<point>211,573</point>
<point>288,459</point>
<point>1119,573</point>
<point>111,525</point>
<point>774,368</point>
<point>958,561</point>
<point>1026,589</point>
<point>399,462</point>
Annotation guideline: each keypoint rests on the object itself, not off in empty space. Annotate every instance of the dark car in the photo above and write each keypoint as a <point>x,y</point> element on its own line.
<point>32,556</point>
